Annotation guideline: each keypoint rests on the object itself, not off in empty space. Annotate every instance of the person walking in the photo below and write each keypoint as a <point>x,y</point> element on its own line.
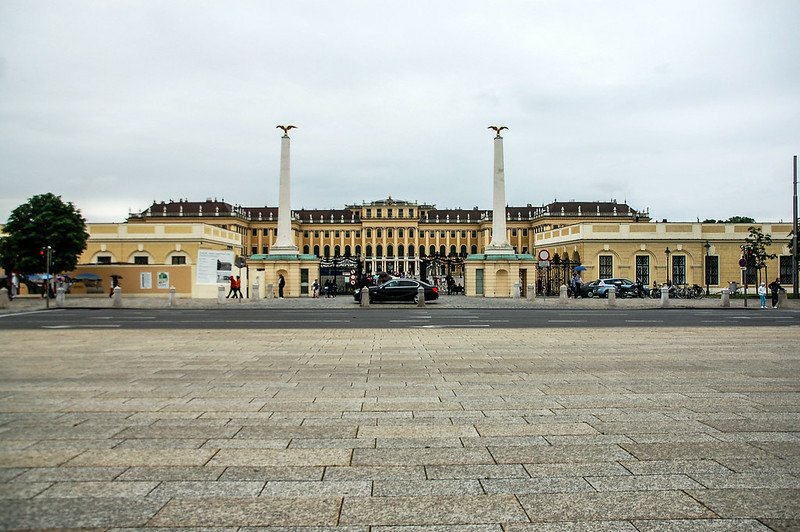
<point>232,291</point>
<point>315,289</point>
<point>762,294</point>
<point>775,287</point>
<point>237,292</point>
<point>281,284</point>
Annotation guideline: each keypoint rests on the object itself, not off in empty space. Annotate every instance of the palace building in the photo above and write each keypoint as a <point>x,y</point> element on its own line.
<point>609,239</point>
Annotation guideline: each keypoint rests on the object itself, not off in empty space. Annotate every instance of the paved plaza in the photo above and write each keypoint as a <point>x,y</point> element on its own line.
<point>403,430</point>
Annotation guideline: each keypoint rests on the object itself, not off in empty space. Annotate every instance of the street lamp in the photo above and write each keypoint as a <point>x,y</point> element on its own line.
<point>667,252</point>
<point>707,246</point>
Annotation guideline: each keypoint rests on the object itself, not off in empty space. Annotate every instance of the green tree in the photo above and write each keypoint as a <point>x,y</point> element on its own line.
<point>44,220</point>
<point>755,249</point>
<point>740,220</point>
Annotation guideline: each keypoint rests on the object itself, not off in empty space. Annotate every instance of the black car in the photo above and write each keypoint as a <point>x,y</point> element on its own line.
<point>398,290</point>
<point>623,287</point>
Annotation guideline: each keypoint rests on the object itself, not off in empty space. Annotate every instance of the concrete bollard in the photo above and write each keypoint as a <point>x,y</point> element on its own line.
<point>270,291</point>
<point>516,290</point>
<point>60,295</point>
<point>726,298</point>
<point>117,303</point>
<point>782,299</point>
<point>612,296</point>
<point>171,300</point>
<point>531,292</point>
<point>664,296</point>
<point>365,296</point>
<point>220,294</point>
<point>256,292</point>
<point>4,300</point>
<point>420,297</point>
<point>562,294</point>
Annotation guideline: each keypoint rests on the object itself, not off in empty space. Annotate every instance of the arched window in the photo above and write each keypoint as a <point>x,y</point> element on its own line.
<point>369,250</point>
<point>400,233</point>
<point>316,251</point>
<point>452,251</point>
<point>379,251</point>
<point>305,250</point>
<point>358,250</point>
<point>337,251</point>
<point>433,250</point>
<point>442,251</point>
<point>411,251</point>
<point>389,251</point>
<point>474,250</point>
<point>347,251</point>
<point>463,251</point>
<point>327,251</point>
<point>369,233</point>
<point>410,232</point>
<point>400,250</point>
<point>422,251</point>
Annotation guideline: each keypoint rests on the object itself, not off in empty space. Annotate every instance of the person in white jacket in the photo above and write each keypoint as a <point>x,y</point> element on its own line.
<point>762,294</point>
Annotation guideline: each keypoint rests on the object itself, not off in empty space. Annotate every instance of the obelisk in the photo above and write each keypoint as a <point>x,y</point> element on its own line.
<point>499,244</point>
<point>284,244</point>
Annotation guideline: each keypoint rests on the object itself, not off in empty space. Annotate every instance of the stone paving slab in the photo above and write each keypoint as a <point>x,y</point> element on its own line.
<point>401,431</point>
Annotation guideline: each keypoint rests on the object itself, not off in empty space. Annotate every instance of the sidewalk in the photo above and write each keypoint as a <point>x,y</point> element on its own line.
<point>33,303</point>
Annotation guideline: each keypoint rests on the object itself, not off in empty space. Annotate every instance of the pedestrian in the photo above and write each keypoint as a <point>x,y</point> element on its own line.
<point>14,285</point>
<point>114,284</point>
<point>315,289</point>
<point>776,288</point>
<point>578,284</point>
<point>238,290</point>
<point>762,294</point>
<point>281,284</point>
<point>232,291</point>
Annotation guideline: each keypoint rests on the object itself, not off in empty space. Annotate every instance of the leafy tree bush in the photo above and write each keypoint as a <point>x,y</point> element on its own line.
<point>44,220</point>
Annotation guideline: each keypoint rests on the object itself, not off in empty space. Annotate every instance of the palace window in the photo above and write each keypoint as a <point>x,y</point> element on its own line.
<point>389,251</point>
<point>327,234</point>
<point>785,269</point>
<point>400,251</point>
<point>474,250</point>
<point>264,249</point>
<point>679,269</point>
<point>606,263</point>
<point>400,233</point>
<point>358,250</point>
<point>316,251</point>
<point>178,259</point>
<point>463,234</point>
<point>306,250</point>
<point>389,233</point>
<point>369,213</point>
<point>327,251</point>
<point>369,250</point>
<point>452,234</point>
<point>336,234</point>
<point>514,232</point>
<point>410,232</point>
<point>379,251</point>
<point>712,270</point>
<point>388,213</point>
<point>305,234</point>
<point>643,269</point>
<point>254,250</point>
<point>347,234</point>
<point>336,251</point>
<point>265,232</point>
<point>442,234</point>
<point>141,259</point>
<point>358,234</point>
<point>378,213</point>
<point>347,251</point>
<point>316,234</point>
<point>379,232</point>
<point>524,232</point>
<point>474,234</point>
<point>104,259</point>
<point>255,232</point>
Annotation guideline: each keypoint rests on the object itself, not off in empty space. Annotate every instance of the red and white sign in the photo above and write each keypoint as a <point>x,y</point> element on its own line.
<point>544,254</point>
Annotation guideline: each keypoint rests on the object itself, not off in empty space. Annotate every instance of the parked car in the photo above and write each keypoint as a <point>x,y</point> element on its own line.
<point>624,288</point>
<point>398,290</point>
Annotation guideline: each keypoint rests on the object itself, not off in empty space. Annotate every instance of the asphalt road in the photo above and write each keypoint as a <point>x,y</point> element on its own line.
<point>393,317</point>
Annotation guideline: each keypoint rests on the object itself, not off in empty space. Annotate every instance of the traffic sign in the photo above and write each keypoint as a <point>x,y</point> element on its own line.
<point>544,255</point>
<point>742,263</point>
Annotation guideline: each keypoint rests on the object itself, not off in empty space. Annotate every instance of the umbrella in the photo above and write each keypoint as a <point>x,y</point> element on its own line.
<point>87,277</point>
<point>116,277</point>
<point>580,268</point>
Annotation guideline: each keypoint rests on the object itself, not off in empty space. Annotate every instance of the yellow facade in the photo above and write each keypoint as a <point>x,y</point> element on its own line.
<point>607,238</point>
<point>130,250</point>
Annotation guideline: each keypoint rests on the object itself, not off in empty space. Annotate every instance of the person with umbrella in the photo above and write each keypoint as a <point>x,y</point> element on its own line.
<point>577,282</point>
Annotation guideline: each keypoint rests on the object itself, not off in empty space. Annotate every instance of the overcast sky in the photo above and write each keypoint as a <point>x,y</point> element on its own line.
<point>688,108</point>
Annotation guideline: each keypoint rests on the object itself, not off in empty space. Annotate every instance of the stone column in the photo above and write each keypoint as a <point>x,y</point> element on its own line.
<point>285,244</point>
<point>499,244</point>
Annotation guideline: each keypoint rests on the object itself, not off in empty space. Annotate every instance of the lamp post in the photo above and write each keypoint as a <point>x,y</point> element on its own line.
<point>48,251</point>
<point>708,247</point>
<point>667,252</point>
